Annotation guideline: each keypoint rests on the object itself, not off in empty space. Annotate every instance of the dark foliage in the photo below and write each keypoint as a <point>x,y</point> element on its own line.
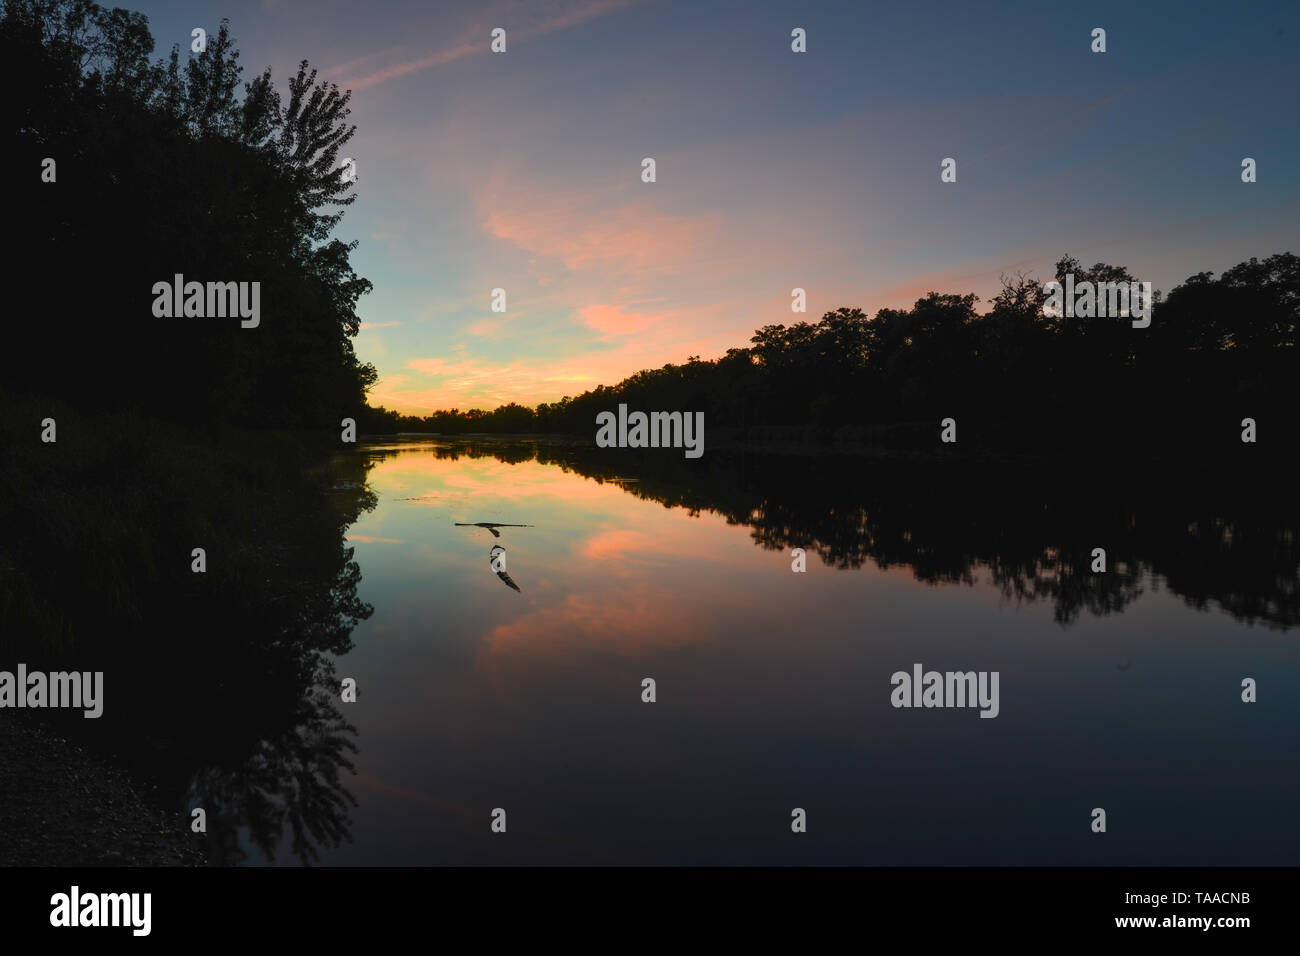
<point>162,168</point>
<point>1217,350</point>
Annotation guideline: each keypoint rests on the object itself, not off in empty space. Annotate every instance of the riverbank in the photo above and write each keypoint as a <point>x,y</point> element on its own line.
<point>205,574</point>
<point>908,443</point>
<point>60,806</point>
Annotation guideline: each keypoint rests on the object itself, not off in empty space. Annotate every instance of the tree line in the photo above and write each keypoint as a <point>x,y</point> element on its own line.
<point>1217,350</point>
<point>125,171</point>
<point>128,170</point>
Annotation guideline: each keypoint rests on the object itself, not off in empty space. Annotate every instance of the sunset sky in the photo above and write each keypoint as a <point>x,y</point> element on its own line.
<point>775,170</point>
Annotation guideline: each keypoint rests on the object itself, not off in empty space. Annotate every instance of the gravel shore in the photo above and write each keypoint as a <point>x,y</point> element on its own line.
<point>61,806</point>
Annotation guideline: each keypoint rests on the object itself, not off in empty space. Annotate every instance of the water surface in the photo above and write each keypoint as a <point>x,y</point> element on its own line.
<point>1120,691</point>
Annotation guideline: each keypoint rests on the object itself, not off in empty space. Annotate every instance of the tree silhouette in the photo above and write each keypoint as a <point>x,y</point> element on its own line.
<point>165,169</point>
<point>1021,380</point>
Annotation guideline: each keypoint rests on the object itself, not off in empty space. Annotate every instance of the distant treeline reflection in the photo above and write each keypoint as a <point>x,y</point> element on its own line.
<point>1212,538</point>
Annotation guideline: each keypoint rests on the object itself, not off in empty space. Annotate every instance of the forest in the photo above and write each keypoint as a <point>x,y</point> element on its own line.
<point>1217,349</point>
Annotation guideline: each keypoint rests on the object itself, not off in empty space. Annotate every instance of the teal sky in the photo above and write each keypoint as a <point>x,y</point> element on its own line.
<point>775,170</point>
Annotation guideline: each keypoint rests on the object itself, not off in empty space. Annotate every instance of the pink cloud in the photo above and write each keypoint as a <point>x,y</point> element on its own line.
<point>612,319</point>
<point>588,231</point>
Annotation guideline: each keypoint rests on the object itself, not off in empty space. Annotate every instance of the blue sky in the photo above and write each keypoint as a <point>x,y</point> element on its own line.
<point>775,170</point>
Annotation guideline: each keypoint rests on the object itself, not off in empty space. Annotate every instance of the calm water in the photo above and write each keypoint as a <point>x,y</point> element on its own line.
<point>1120,691</point>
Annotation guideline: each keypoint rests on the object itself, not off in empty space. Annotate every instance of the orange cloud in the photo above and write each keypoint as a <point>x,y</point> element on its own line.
<point>470,382</point>
<point>591,230</point>
<point>612,320</point>
<point>641,339</point>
